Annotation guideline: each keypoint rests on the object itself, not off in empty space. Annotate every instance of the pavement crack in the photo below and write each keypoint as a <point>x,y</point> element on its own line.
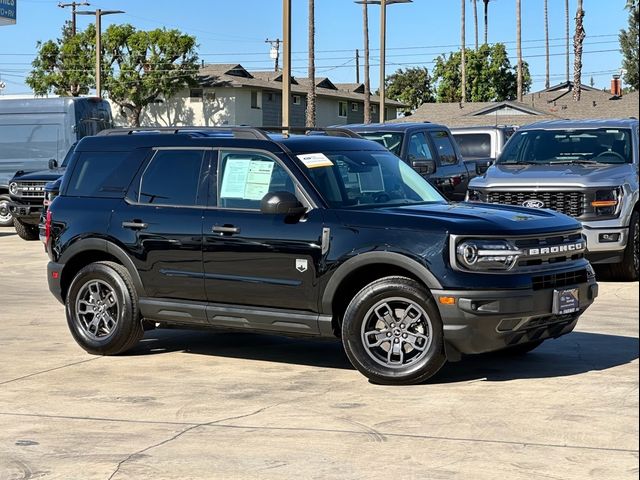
<point>187,430</point>
<point>49,370</point>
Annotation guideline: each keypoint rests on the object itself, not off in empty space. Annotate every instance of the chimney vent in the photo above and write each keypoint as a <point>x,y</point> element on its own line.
<point>616,86</point>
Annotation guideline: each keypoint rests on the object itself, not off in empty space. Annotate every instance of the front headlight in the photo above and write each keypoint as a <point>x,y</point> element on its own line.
<point>607,202</point>
<point>472,196</point>
<point>13,188</point>
<point>487,255</point>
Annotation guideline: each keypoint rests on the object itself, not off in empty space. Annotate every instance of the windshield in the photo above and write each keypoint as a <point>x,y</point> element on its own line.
<point>597,145</point>
<point>358,179</point>
<point>389,140</point>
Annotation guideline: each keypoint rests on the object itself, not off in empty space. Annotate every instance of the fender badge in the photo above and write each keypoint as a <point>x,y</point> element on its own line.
<point>301,265</point>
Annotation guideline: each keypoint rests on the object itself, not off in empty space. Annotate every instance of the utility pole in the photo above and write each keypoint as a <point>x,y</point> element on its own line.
<point>357,66</point>
<point>73,6</point>
<point>286,63</point>
<point>99,13</point>
<point>275,51</point>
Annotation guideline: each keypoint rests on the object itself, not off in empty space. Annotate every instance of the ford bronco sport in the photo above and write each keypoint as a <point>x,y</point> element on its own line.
<point>309,235</point>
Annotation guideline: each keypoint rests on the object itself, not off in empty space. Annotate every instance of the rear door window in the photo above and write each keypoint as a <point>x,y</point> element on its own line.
<point>102,174</point>
<point>172,177</point>
<point>419,147</point>
<point>444,146</point>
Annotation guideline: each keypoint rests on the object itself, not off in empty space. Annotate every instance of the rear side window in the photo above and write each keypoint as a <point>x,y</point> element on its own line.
<point>102,174</point>
<point>474,145</point>
<point>172,178</point>
<point>445,149</point>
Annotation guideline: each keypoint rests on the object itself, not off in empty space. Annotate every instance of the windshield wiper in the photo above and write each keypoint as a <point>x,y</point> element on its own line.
<point>585,162</point>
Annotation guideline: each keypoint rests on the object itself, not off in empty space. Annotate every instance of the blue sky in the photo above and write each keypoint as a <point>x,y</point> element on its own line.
<point>234,31</point>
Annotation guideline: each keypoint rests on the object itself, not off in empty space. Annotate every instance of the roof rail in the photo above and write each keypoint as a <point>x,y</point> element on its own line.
<point>237,131</point>
<point>329,131</point>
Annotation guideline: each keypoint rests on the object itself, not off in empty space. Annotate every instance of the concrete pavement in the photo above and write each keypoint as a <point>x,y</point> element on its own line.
<point>189,404</point>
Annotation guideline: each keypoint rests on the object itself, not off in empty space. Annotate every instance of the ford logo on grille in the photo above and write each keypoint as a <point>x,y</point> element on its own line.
<point>533,203</point>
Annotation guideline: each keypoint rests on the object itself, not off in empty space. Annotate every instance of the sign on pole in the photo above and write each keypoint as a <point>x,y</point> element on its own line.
<point>8,12</point>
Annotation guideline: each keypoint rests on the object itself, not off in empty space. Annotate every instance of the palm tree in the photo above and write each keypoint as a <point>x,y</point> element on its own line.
<point>367,81</point>
<point>546,43</point>
<point>311,96</point>
<point>578,39</point>
<point>475,19</point>
<point>566,28</point>
<point>463,51</point>
<point>519,49</point>
<point>486,21</point>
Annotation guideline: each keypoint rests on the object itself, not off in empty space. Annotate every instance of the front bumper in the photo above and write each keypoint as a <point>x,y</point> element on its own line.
<point>26,213</point>
<point>484,320</point>
<point>599,251</point>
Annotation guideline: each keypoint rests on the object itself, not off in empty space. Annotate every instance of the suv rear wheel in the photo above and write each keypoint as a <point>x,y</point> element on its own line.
<point>6,219</point>
<point>26,231</point>
<point>392,332</point>
<point>102,309</point>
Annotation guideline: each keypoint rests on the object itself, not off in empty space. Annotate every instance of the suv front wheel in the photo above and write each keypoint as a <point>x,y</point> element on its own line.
<point>102,309</point>
<point>25,231</point>
<point>392,332</point>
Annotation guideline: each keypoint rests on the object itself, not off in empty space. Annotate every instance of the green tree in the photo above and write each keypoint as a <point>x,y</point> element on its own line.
<point>411,86</point>
<point>629,45</point>
<point>64,66</point>
<point>490,76</point>
<point>141,67</point>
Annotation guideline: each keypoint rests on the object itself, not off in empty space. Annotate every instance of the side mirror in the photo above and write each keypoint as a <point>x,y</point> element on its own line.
<point>482,167</point>
<point>282,203</point>
<point>424,166</point>
<point>53,163</point>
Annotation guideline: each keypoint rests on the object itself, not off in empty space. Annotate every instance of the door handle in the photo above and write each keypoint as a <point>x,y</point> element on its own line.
<point>135,225</point>
<point>225,229</point>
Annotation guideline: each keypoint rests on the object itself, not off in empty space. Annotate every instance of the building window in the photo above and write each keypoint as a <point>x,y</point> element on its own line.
<point>269,97</point>
<point>296,100</point>
<point>342,109</point>
<point>197,93</point>
<point>374,108</point>
<point>354,107</point>
<point>255,99</point>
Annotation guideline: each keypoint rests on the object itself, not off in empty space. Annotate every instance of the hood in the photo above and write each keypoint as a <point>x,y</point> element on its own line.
<point>40,175</point>
<point>597,175</point>
<point>464,218</point>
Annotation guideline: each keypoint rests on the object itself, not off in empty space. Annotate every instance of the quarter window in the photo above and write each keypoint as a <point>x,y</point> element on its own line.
<point>246,177</point>
<point>445,149</point>
<point>172,178</point>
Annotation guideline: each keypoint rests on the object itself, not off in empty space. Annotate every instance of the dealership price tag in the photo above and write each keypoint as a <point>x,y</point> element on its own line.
<point>566,301</point>
<point>315,160</point>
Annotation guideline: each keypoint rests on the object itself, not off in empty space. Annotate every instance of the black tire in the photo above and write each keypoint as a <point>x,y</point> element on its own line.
<point>520,349</point>
<point>126,331</point>
<point>391,295</point>
<point>6,220</point>
<point>627,270</point>
<point>26,231</point>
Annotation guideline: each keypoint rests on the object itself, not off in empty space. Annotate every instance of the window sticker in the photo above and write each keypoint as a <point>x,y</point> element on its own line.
<point>315,160</point>
<point>246,179</point>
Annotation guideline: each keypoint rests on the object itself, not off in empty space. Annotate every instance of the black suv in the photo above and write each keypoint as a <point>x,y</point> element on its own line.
<point>305,235</point>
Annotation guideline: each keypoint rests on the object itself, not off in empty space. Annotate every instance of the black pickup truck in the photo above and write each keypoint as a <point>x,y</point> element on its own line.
<point>430,149</point>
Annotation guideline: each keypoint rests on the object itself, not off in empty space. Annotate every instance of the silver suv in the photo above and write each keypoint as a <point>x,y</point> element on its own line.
<point>586,169</point>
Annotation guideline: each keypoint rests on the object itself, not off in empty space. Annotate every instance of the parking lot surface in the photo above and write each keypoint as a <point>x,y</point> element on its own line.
<point>191,404</point>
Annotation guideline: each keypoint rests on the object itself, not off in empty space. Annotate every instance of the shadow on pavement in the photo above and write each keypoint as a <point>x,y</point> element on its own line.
<point>573,354</point>
<point>6,234</point>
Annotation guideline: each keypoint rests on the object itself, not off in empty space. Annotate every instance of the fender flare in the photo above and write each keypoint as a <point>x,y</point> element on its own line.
<point>373,258</point>
<point>105,246</point>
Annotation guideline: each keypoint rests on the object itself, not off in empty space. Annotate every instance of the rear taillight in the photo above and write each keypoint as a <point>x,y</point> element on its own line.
<point>47,228</point>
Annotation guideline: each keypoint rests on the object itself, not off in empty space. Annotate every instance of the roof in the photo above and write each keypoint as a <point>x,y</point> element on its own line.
<point>41,105</point>
<point>324,143</point>
<point>235,75</point>
<point>391,127</point>
<point>578,124</point>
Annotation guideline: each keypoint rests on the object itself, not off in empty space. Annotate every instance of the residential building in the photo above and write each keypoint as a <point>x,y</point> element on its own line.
<point>228,94</point>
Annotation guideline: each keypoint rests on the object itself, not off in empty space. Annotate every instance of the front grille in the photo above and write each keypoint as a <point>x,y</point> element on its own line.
<point>549,244</point>
<point>569,203</point>
<point>30,189</point>
<point>559,280</point>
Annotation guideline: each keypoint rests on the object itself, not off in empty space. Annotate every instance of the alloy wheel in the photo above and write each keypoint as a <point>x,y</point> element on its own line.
<point>97,309</point>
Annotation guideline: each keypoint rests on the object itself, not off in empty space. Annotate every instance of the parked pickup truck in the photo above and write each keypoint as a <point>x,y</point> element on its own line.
<point>586,169</point>
<point>429,149</point>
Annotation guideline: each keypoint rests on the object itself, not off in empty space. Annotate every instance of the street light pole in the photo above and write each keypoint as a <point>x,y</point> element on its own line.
<point>73,6</point>
<point>99,13</point>
<point>383,45</point>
